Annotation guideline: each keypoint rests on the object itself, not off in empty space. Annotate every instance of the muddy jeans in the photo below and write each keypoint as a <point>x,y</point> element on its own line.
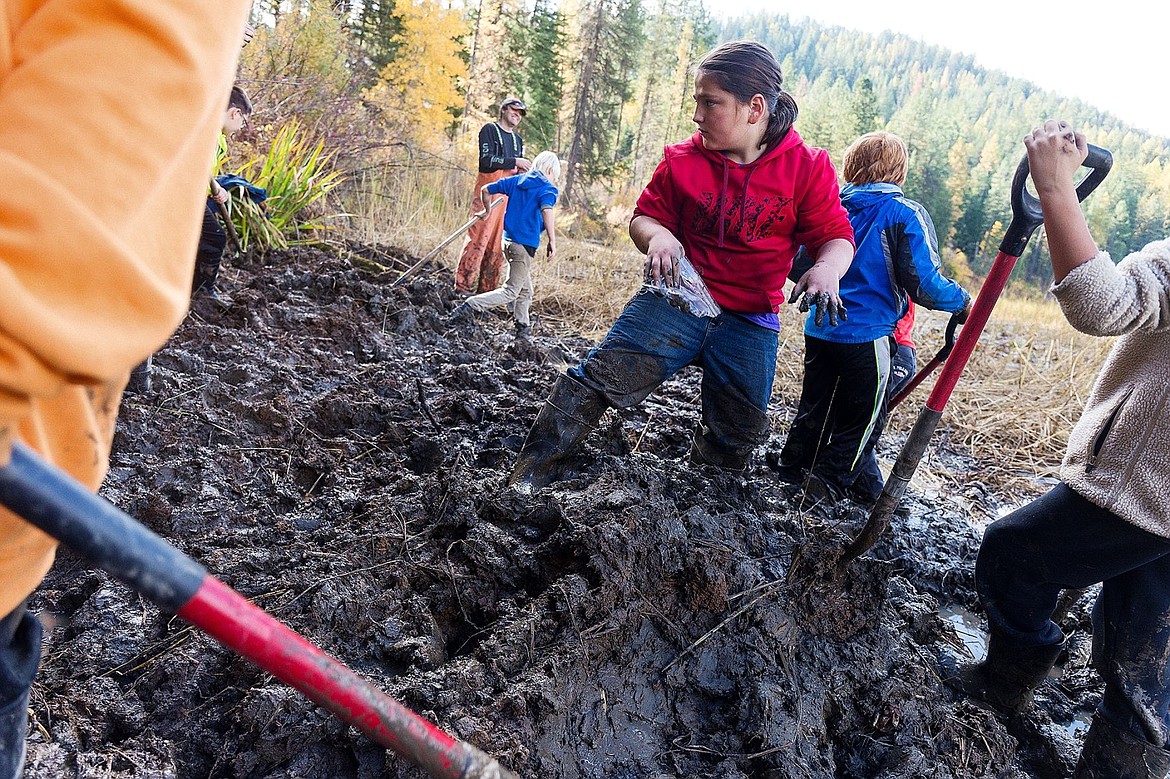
<point>517,289</point>
<point>842,409</point>
<point>1062,541</point>
<point>652,340</point>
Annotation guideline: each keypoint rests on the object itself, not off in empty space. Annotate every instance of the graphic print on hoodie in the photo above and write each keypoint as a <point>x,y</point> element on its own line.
<point>740,225</point>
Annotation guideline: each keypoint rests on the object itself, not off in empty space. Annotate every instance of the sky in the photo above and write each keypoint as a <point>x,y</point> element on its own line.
<point>1114,55</point>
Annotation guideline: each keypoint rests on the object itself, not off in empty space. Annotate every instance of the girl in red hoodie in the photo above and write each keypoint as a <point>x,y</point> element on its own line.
<point>737,199</point>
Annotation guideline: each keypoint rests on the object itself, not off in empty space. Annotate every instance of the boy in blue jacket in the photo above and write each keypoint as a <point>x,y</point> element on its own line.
<point>531,198</point>
<point>842,406</point>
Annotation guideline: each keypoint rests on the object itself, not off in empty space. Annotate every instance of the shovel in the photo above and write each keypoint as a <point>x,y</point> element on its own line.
<point>110,539</point>
<point>228,226</point>
<point>939,358</point>
<point>406,274</point>
<point>1026,217</point>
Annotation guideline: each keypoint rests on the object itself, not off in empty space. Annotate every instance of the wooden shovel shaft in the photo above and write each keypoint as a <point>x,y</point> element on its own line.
<point>228,226</point>
<point>406,274</point>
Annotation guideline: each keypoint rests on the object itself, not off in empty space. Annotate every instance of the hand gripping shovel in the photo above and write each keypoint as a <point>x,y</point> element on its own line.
<point>1026,217</point>
<point>939,358</point>
<point>406,274</point>
<point>110,539</point>
<point>228,226</point>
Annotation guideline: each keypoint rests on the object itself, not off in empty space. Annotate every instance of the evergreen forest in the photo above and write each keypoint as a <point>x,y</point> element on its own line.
<point>393,83</point>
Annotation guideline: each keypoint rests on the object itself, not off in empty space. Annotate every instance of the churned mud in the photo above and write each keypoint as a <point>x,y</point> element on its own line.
<point>336,452</point>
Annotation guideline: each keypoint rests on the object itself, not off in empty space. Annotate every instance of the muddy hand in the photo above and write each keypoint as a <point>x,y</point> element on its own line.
<point>824,303</point>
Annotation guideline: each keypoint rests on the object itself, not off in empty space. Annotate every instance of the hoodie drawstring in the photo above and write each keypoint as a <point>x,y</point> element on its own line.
<point>723,203</point>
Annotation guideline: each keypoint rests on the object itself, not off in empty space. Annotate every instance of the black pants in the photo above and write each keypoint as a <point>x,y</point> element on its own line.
<point>869,482</point>
<point>1062,541</point>
<point>209,254</point>
<point>842,408</point>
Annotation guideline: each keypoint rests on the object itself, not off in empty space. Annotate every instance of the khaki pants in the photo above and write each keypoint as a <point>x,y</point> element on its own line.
<point>517,289</point>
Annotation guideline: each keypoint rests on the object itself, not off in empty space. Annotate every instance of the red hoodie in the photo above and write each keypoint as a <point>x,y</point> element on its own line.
<point>741,225</point>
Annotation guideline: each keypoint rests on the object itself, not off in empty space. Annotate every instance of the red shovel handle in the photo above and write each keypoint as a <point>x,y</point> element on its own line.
<point>938,359</point>
<point>97,531</point>
<point>1026,217</point>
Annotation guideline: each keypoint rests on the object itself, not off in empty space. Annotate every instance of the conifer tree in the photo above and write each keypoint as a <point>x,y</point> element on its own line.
<point>544,76</point>
<point>424,73</point>
<point>612,34</point>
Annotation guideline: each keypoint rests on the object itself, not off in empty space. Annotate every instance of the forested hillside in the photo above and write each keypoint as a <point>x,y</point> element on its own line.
<point>608,83</point>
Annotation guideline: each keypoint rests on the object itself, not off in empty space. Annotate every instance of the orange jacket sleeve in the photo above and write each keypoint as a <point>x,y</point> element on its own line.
<point>111,111</point>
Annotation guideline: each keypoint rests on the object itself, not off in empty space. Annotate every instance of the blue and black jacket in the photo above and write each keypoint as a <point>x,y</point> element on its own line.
<point>896,260</point>
<point>528,195</point>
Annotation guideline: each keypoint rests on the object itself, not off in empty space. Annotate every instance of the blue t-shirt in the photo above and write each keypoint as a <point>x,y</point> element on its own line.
<point>528,194</point>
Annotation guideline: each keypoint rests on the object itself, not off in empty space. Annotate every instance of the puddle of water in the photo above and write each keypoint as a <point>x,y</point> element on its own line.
<point>968,628</point>
<point>1079,725</point>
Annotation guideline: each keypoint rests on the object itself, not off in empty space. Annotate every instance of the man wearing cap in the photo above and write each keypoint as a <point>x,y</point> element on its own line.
<point>501,153</point>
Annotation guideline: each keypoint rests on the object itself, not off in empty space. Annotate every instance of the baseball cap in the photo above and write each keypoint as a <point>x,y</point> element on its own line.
<point>514,101</point>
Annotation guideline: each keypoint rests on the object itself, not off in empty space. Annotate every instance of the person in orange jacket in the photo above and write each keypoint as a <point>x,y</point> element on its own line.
<point>94,275</point>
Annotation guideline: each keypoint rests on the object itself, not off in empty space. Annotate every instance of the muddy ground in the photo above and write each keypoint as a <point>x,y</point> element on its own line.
<point>332,449</point>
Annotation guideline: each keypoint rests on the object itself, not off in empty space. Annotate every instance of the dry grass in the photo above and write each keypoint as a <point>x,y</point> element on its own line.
<point>1020,394</point>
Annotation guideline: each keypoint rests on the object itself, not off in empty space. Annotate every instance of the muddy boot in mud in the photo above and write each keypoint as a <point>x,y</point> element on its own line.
<point>570,413</point>
<point>704,453</point>
<point>1110,753</point>
<point>203,285</point>
<point>141,380</point>
<point>1006,679</point>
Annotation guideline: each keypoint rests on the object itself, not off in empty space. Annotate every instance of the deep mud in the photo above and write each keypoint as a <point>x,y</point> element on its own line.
<point>333,450</point>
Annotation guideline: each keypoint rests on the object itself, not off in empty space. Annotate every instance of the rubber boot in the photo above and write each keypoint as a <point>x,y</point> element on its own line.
<point>206,273</point>
<point>703,452</point>
<point>1110,753</point>
<point>140,378</point>
<point>570,413</point>
<point>1008,676</point>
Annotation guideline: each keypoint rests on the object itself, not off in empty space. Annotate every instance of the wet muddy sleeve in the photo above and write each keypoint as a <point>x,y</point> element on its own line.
<point>111,112</point>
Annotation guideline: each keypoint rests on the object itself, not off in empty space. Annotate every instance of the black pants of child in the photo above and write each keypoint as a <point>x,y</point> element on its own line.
<point>842,409</point>
<point>1062,541</point>
<point>209,255</point>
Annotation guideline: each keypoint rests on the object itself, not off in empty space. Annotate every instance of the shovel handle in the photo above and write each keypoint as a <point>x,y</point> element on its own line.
<point>406,274</point>
<point>105,536</point>
<point>1026,217</point>
<point>939,358</point>
<point>1026,213</point>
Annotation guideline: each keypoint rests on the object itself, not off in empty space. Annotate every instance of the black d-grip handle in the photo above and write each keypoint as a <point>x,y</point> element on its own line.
<point>949,339</point>
<point>1026,213</point>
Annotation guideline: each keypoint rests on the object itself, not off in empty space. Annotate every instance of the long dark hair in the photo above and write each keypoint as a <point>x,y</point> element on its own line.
<point>747,68</point>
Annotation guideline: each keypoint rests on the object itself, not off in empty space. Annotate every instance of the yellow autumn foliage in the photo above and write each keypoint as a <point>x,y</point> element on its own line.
<point>419,92</point>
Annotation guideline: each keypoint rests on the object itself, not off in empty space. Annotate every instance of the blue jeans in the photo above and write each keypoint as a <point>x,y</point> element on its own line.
<point>1062,541</point>
<point>20,654</point>
<point>652,340</point>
